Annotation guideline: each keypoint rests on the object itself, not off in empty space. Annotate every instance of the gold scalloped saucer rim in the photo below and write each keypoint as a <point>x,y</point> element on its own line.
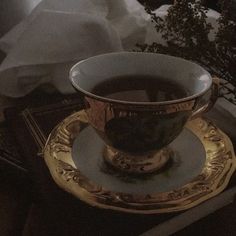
<point>219,166</point>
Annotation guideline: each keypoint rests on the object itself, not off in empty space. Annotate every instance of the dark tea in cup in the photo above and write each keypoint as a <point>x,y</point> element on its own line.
<point>140,88</point>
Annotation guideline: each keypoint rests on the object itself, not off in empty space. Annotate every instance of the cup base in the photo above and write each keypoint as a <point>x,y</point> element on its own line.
<point>137,163</point>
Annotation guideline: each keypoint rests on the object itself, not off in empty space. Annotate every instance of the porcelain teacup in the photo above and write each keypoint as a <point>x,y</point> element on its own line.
<point>137,133</point>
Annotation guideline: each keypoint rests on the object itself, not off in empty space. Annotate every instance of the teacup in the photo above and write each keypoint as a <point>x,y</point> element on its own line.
<point>137,133</point>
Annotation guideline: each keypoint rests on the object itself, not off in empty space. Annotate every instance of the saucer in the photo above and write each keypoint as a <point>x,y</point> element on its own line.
<point>201,165</point>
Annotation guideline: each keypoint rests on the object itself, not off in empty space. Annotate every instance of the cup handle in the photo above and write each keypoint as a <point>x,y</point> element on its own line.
<point>210,103</point>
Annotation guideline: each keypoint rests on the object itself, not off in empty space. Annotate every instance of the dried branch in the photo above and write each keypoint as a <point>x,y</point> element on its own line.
<point>186,33</point>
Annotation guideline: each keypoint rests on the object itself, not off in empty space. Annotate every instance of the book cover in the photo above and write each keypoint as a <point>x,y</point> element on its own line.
<point>10,159</point>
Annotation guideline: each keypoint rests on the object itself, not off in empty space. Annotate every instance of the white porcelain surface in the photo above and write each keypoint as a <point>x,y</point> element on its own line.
<point>86,74</point>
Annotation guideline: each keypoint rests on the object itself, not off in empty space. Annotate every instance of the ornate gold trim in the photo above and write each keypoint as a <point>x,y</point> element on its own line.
<point>137,164</point>
<point>219,166</point>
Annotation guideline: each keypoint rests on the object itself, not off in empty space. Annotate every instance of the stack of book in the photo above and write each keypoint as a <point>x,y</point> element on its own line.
<point>58,212</point>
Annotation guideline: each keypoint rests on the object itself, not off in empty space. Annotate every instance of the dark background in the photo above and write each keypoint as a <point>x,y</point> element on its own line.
<point>157,3</point>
